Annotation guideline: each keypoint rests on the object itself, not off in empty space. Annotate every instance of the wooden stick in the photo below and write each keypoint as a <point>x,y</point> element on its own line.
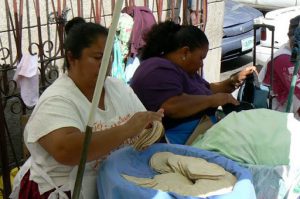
<point>96,96</point>
<point>292,88</point>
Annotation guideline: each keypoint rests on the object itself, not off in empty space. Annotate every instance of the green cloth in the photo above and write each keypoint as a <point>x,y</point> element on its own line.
<point>258,136</point>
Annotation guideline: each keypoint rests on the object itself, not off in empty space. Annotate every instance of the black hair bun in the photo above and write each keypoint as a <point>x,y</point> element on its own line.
<point>73,22</point>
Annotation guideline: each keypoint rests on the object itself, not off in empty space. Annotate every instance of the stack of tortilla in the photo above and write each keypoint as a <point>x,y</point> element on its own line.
<point>149,136</point>
<point>186,175</point>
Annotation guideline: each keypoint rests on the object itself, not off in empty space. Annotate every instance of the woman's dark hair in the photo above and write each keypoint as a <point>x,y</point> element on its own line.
<point>82,36</point>
<point>168,36</point>
<point>73,22</point>
<point>294,23</point>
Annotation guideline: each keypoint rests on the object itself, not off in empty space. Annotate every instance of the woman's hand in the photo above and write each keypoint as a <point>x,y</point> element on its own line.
<point>140,120</point>
<point>232,83</point>
<point>238,78</point>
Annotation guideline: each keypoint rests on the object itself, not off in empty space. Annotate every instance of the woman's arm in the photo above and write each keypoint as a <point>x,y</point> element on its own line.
<point>233,82</point>
<point>187,105</point>
<point>65,144</point>
<point>226,86</point>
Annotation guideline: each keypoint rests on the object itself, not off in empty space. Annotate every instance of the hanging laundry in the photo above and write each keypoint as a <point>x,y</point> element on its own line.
<point>123,33</point>
<point>143,21</point>
<point>27,78</point>
<point>117,69</point>
<point>121,46</point>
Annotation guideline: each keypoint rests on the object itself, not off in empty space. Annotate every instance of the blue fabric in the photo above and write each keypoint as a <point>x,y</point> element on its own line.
<point>181,133</point>
<point>111,185</point>
<point>117,69</point>
<point>261,97</point>
<point>213,119</point>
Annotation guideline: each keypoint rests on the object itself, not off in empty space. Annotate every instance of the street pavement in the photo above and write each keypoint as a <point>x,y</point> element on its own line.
<point>233,66</point>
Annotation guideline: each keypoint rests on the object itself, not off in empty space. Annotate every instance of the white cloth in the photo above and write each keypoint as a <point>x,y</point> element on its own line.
<point>27,77</point>
<point>58,193</point>
<point>131,66</point>
<point>282,108</point>
<point>17,180</point>
<point>63,105</point>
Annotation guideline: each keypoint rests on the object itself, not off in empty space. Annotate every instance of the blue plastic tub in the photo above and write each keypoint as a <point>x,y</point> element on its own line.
<point>111,185</point>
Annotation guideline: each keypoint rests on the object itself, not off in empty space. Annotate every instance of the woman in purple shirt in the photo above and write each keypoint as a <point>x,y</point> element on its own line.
<point>168,78</point>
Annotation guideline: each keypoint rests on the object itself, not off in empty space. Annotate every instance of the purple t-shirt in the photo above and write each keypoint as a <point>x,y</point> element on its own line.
<point>157,79</point>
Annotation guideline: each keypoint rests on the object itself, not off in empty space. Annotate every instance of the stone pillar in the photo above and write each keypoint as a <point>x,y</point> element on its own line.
<point>214,32</point>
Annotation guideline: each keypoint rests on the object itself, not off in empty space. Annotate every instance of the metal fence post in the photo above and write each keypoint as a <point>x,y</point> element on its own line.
<point>4,156</point>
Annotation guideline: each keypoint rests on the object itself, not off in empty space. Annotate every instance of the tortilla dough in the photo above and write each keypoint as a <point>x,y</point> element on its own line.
<point>159,162</point>
<point>149,136</point>
<point>186,175</point>
<point>145,182</point>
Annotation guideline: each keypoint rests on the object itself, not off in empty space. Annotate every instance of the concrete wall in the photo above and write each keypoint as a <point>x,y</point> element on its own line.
<point>214,32</point>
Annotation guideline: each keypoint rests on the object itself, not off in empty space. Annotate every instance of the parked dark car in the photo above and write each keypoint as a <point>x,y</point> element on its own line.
<point>238,36</point>
<point>268,5</point>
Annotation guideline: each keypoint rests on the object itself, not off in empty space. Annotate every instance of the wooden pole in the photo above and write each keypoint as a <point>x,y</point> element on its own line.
<point>96,96</point>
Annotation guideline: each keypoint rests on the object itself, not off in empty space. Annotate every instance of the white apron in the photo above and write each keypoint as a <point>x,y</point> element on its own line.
<point>88,190</point>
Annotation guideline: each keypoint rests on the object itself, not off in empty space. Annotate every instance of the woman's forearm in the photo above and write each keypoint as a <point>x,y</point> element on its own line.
<point>66,144</point>
<point>103,142</point>
<point>233,82</point>
<point>186,105</point>
<point>226,86</point>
